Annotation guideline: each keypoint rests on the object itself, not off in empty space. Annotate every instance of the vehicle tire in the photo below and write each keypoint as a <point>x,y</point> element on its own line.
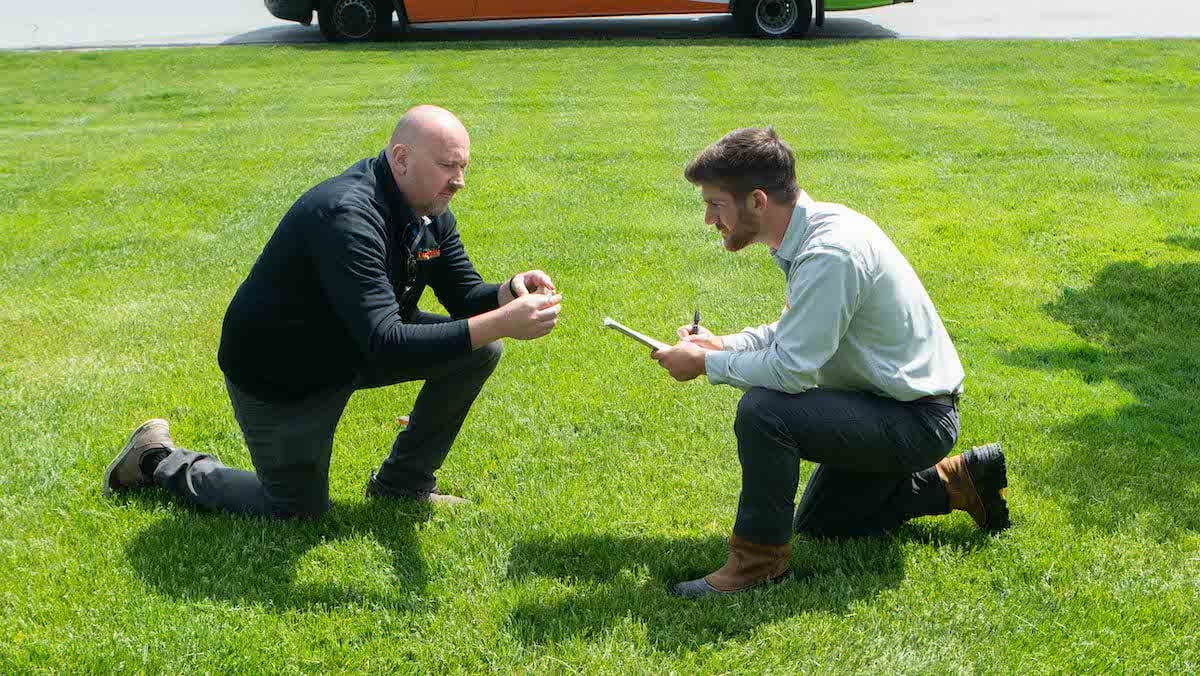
<point>775,18</point>
<point>355,20</point>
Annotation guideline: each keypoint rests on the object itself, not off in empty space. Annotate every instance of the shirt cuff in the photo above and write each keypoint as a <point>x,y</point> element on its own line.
<point>716,367</point>
<point>737,342</point>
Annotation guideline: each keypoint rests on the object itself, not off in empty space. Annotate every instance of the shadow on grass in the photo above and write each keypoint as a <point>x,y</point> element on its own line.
<point>614,578</point>
<point>356,555</point>
<point>1185,241</point>
<point>1143,460</point>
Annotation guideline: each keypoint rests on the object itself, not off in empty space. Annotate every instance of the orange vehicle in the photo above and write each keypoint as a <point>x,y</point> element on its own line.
<point>360,20</point>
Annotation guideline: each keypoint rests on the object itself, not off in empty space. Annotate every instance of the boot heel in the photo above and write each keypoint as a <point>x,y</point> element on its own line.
<point>989,472</point>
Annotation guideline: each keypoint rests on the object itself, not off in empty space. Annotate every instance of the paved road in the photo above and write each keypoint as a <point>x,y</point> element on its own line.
<point>78,23</point>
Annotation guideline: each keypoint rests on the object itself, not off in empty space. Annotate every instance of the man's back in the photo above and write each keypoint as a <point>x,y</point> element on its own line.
<point>281,338</point>
<point>895,342</point>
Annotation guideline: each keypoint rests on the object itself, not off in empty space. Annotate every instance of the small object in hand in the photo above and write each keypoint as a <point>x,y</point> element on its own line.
<point>696,322</point>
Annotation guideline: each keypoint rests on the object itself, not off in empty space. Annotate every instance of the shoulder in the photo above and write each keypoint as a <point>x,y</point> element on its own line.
<point>343,201</point>
<point>354,189</point>
<point>840,232</point>
<point>838,223</point>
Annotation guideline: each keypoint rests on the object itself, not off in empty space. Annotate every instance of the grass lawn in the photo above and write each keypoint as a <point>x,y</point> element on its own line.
<point>1047,193</point>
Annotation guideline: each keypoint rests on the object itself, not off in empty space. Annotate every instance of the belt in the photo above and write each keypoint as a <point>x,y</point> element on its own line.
<point>950,400</point>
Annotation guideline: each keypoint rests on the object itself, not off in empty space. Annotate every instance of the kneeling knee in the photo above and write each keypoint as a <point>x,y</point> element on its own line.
<point>312,506</point>
<point>753,411</point>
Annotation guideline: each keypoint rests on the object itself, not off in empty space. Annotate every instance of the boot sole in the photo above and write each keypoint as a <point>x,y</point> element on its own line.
<point>376,491</point>
<point>989,472</point>
<point>112,466</point>
<point>713,591</point>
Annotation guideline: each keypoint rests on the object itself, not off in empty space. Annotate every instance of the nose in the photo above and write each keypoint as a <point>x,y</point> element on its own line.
<point>710,216</point>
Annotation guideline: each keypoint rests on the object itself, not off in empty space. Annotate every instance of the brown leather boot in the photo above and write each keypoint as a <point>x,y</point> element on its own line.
<point>975,483</point>
<point>749,565</point>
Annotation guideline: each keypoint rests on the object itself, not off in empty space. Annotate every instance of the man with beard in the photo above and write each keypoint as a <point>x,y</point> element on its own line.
<point>329,308</point>
<point>858,375</point>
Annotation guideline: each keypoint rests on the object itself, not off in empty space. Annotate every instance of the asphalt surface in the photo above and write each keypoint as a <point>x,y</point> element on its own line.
<point>69,24</point>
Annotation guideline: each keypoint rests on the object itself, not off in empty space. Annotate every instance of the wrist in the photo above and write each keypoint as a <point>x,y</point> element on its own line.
<point>486,328</point>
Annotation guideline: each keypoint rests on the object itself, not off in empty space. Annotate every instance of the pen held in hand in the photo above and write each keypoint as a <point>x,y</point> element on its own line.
<point>695,322</point>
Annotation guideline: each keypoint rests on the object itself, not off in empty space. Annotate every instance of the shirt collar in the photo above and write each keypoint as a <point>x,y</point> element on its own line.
<point>797,232</point>
<point>398,211</point>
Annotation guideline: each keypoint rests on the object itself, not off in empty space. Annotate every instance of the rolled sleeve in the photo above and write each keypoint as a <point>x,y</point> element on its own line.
<point>751,338</point>
<point>716,366</point>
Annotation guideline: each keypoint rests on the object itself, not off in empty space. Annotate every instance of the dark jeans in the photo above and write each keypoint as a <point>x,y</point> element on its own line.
<point>875,462</point>
<point>291,443</point>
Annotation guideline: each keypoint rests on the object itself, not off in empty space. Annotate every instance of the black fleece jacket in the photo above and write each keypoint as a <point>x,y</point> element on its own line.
<point>331,295</point>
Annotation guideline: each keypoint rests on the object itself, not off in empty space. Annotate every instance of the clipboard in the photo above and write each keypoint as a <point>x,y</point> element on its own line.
<point>610,323</point>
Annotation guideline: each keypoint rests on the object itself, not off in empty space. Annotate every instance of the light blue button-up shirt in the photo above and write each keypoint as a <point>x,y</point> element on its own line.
<point>857,317</point>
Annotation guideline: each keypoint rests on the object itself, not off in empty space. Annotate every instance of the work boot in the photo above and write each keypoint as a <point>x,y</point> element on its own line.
<point>975,482</point>
<point>376,489</point>
<point>126,471</point>
<point>749,565</point>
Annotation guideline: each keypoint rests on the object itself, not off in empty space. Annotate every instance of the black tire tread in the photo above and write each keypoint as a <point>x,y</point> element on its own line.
<point>744,15</point>
<point>383,26</point>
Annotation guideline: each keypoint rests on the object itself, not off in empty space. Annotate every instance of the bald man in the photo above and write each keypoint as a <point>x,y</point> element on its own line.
<point>330,307</point>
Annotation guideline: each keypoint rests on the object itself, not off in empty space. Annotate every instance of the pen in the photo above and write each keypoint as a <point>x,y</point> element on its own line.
<point>696,322</point>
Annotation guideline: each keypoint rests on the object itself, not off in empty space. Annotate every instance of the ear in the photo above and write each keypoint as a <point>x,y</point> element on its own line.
<point>398,159</point>
<point>759,199</point>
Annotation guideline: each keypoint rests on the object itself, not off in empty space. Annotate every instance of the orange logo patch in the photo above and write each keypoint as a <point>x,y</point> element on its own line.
<point>427,254</point>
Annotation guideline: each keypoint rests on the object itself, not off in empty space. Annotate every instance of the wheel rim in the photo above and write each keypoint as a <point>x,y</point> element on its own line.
<point>354,19</point>
<point>776,17</point>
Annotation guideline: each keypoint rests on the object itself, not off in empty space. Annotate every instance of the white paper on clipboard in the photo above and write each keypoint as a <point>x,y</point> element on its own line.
<point>642,338</point>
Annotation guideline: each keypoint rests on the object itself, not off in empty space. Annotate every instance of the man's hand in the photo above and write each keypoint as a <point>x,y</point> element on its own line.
<point>704,338</point>
<point>530,316</point>
<point>684,360</point>
<point>533,281</point>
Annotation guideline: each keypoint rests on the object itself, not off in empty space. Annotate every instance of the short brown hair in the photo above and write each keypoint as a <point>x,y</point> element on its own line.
<point>745,160</point>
